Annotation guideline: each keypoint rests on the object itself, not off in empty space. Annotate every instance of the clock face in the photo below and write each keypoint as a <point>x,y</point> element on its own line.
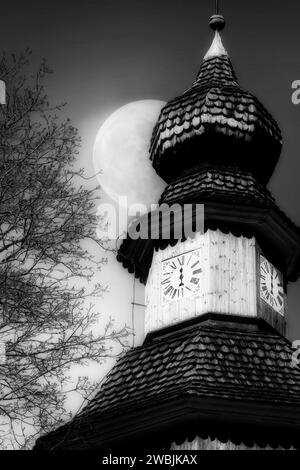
<point>181,276</point>
<point>271,287</point>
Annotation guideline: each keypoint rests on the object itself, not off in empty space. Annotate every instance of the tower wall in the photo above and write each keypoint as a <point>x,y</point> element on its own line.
<point>227,282</point>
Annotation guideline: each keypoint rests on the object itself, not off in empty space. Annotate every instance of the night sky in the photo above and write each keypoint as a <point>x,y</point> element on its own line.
<point>107,53</point>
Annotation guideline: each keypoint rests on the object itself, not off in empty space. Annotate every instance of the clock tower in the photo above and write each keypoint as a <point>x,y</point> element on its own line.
<point>214,272</point>
<point>215,370</point>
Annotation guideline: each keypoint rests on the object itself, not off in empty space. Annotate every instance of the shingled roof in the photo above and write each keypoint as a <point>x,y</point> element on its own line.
<point>215,359</point>
<point>209,182</point>
<point>215,121</point>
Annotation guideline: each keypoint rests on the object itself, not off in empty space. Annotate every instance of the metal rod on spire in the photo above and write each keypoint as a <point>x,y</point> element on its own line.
<point>217,22</point>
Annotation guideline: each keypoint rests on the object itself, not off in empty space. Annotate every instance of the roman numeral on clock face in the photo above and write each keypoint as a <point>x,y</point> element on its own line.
<point>197,271</point>
<point>169,289</point>
<point>195,264</point>
<point>166,280</point>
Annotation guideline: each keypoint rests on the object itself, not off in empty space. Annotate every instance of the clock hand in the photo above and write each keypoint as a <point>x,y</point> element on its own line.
<point>181,277</point>
<point>272,285</point>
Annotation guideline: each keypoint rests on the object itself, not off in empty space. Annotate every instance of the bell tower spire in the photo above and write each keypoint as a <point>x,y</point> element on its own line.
<point>215,370</point>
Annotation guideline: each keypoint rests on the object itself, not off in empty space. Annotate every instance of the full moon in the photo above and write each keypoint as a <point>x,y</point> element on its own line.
<point>121,154</point>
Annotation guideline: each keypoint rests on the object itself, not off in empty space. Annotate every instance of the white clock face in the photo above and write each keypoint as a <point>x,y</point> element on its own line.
<point>271,287</point>
<point>181,276</point>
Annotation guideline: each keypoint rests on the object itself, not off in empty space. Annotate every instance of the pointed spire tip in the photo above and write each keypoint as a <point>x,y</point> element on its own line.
<point>216,49</point>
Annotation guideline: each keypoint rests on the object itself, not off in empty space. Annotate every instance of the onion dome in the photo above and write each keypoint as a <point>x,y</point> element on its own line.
<point>215,121</point>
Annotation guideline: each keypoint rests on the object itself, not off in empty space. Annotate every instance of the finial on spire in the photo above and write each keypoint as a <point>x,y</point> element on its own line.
<point>217,21</point>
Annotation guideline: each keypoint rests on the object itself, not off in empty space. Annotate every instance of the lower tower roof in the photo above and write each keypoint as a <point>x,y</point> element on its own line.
<point>194,375</point>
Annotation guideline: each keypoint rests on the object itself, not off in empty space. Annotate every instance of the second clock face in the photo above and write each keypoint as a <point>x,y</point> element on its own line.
<point>271,288</point>
<point>181,276</point>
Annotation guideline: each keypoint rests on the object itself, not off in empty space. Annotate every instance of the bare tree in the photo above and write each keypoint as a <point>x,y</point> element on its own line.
<point>48,255</point>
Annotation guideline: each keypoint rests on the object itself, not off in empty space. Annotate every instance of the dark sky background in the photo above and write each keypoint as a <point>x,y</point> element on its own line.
<point>106,53</point>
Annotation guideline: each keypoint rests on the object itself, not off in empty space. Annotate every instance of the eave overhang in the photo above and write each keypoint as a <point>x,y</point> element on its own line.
<point>276,234</point>
<point>179,417</point>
